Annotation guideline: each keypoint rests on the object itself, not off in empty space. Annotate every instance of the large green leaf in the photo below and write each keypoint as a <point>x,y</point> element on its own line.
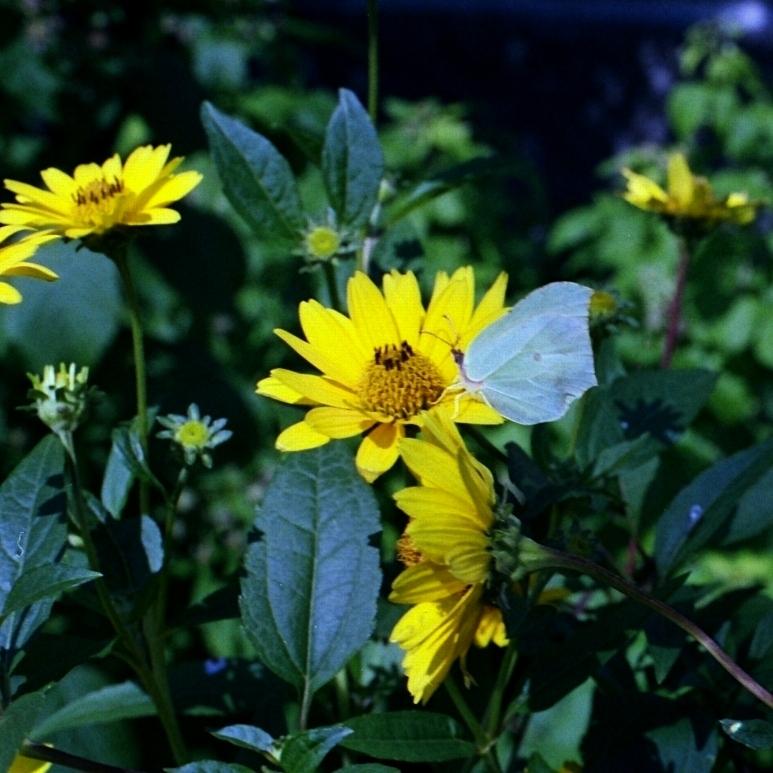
<point>309,592</point>
<point>368,767</point>
<point>662,403</point>
<point>42,582</point>
<point>680,750</point>
<point>210,766</point>
<point>256,178</point>
<point>15,725</point>
<point>303,752</point>
<point>72,320</point>
<point>119,701</point>
<point>352,161</point>
<point>117,481</point>
<point>702,511</point>
<point>33,533</point>
<point>409,736</point>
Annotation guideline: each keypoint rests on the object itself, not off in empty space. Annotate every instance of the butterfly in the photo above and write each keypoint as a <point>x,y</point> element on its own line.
<point>532,363</point>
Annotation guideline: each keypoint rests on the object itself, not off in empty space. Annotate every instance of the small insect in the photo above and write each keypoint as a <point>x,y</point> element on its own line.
<point>530,364</point>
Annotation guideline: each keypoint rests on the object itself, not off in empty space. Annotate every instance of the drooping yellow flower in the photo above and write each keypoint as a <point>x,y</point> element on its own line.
<point>689,196</point>
<point>98,198</point>
<point>14,260</point>
<point>449,559</point>
<point>384,364</point>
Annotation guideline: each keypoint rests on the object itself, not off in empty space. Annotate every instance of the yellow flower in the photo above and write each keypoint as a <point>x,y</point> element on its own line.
<point>688,196</point>
<point>384,364</point>
<point>98,198</point>
<point>14,260</point>
<point>448,557</point>
<point>22,764</point>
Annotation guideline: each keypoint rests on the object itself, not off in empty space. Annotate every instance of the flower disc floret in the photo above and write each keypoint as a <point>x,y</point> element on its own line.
<point>384,364</point>
<point>193,434</point>
<point>96,199</point>
<point>322,242</point>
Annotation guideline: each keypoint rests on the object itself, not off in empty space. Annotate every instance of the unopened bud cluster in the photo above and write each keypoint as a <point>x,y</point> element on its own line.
<point>60,398</point>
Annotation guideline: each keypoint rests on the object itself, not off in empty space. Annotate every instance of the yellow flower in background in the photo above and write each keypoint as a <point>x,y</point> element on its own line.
<point>688,196</point>
<point>98,198</point>
<point>22,764</point>
<point>14,260</point>
<point>384,364</point>
<point>446,548</point>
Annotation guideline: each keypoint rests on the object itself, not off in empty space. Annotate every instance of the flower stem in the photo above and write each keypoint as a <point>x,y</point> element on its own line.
<point>373,60</point>
<point>567,561</point>
<point>332,285</point>
<point>481,739</point>
<point>121,259</point>
<point>152,676</point>
<point>39,751</point>
<point>675,307</point>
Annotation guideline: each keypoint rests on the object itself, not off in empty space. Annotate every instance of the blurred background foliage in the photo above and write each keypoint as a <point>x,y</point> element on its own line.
<point>81,80</point>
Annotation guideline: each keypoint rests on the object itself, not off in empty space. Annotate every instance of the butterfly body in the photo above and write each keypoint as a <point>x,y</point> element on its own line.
<point>531,363</point>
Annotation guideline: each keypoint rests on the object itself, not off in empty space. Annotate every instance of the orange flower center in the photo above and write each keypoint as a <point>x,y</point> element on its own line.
<point>407,552</point>
<point>96,198</point>
<point>400,382</point>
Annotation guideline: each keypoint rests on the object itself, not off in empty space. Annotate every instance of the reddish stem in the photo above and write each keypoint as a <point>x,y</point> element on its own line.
<point>675,307</point>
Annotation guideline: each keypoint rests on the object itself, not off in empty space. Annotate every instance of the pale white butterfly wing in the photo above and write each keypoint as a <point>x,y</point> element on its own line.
<point>530,364</point>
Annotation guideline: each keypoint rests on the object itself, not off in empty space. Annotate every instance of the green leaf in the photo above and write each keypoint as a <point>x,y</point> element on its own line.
<point>679,750</point>
<point>537,764</point>
<point>303,752</point>
<point>117,482</point>
<point>450,179</point>
<point>700,513</point>
<point>210,766</point>
<point>626,456</point>
<point>309,592</point>
<point>662,403</point>
<point>409,736</point>
<point>42,582</point>
<point>256,178</point>
<point>754,733</point>
<point>368,767</point>
<point>127,446</point>
<point>72,320</point>
<point>119,701</point>
<point>755,512</point>
<point>33,532</point>
<point>247,737</point>
<point>16,722</point>
<point>352,161</point>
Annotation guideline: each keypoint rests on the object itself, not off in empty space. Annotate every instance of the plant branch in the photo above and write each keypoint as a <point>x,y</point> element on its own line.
<point>373,60</point>
<point>567,561</point>
<point>675,307</point>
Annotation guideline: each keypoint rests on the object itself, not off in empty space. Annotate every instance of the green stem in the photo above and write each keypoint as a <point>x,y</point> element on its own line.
<point>485,747</point>
<point>39,751</point>
<point>121,260</point>
<point>675,307</point>
<point>494,711</point>
<point>332,285</point>
<point>303,719</point>
<point>153,679</point>
<point>373,60</point>
<point>566,561</point>
<point>577,424</point>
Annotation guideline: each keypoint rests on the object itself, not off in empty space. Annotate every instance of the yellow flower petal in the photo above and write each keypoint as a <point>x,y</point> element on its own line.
<point>319,359</point>
<point>23,764</point>
<point>378,450</point>
<point>336,338</point>
<point>433,467</point>
<point>490,308</point>
<point>403,297</point>
<point>491,628</point>
<point>369,313</point>
<point>425,581</point>
<point>681,183</point>
<point>317,389</point>
<point>276,389</point>
<point>300,437</point>
<point>337,422</point>
<point>8,294</point>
